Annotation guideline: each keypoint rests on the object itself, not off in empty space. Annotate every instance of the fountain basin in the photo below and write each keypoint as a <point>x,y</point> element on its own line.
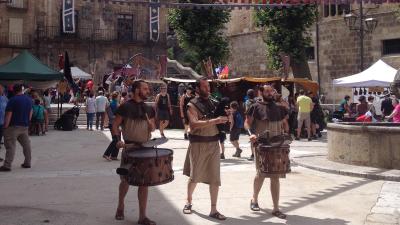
<point>365,144</point>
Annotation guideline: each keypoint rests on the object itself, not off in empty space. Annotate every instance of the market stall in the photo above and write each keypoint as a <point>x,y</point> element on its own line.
<point>29,70</point>
<point>77,73</point>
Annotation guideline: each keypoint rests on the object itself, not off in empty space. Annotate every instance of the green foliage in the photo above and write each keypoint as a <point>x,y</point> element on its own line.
<point>199,33</point>
<point>286,31</point>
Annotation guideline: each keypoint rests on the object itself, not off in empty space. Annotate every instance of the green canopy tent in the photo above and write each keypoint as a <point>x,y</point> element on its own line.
<point>30,70</point>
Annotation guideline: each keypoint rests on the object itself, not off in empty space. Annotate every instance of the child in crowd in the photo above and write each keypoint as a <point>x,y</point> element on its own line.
<point>38,115</point>
<point>236,127</point>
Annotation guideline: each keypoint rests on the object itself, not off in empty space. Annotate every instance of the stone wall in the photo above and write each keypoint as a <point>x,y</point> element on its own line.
<point>84,52</point>
<point>339,47</point>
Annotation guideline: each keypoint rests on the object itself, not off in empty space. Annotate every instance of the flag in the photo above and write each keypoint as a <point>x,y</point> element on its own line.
<point>68,74</point>
<point>68,16</point>
<point>224,73</point>
<point>61,61</point>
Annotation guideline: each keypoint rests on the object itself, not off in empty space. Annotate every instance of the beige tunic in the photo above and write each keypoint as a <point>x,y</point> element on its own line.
<point>261,124</point>
<point>202,162</point>
<point>133,131</point>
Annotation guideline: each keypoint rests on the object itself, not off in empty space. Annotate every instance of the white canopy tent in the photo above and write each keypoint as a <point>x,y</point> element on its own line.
<point>79,74</point>
<point>379,74</point>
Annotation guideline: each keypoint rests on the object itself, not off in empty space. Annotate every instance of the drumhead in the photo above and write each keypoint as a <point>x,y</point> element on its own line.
<point>272,148</point>
<point>150,153</point>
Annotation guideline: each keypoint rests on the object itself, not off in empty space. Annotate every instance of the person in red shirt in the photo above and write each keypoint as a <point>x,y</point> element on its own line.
<point>89,85</point>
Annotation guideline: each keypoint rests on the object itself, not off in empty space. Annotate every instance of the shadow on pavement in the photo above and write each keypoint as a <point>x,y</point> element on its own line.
<point>261,217</point>
<point>296,204</point>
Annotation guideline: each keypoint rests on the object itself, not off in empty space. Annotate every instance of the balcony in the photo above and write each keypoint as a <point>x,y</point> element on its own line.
<point>15,40</point>
<point>98,35</point>
<point>18,4</point>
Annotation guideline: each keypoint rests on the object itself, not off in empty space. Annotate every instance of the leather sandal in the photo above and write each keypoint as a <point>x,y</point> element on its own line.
<point>119,215</point>
<point>254,206</point>
<point>187,209</point>
<point>279,214</point>
<point>218,216</point>
<point>146,221</point>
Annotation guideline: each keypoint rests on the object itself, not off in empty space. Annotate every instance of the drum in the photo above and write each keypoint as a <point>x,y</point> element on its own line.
<point>149,167</point>
<point>273,159</point>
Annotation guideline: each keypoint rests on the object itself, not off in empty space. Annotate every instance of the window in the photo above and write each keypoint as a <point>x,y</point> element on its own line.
<point>391,46</point>
<point>333,10</point>
<point>15,32</point>
<point>330,9</point>
<point>344,9</point>
<point>310,53</point>
<point>125,27</point>
<point>326,10</point>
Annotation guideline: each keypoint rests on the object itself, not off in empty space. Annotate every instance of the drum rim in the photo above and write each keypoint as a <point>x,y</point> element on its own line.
<point>130,152</point>
<point>154,184</point>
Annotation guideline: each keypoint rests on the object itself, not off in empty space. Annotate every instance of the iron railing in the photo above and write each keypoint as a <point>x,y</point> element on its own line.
<point>18,4</point>
<point>15,40</point>
<point>98,35</point>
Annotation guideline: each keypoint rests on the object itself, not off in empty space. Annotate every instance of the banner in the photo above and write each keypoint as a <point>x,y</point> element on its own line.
<point>154,20</point>
<point>68,16</point>
<point>239,4</point>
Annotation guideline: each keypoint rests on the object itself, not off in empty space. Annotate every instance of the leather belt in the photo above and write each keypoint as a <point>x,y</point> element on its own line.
<point>197,138</point>
<point>132,145</point>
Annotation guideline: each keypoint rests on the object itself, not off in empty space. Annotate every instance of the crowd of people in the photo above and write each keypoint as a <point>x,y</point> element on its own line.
<point>371,108</point>
<point>206,123</point>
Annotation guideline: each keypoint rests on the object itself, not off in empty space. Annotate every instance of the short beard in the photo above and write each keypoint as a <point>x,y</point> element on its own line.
<point>142,96</point>
<point>268,99</point>
<point>204,94</point>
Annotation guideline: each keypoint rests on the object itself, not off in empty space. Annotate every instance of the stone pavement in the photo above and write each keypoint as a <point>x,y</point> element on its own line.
<point>316,158</point>
<point>71,184</point>
<point>387,209</point>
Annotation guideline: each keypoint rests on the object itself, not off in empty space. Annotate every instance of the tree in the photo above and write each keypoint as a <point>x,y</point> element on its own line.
<point>200,34</point>
<point>286,32</point>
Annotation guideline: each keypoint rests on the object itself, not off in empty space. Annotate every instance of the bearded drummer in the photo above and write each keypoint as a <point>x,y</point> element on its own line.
<point>202,164</point>
<point>262,116</point>
<point>136,119</point>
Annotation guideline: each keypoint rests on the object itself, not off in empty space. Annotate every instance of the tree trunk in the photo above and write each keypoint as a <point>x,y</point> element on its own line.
<point>301,69</point>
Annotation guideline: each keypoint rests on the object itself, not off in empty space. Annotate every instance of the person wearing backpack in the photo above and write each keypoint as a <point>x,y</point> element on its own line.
<point>38,116</point>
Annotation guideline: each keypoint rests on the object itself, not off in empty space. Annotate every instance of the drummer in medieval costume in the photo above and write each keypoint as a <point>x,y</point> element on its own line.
<point>202,163</point>
<point>136,120</point>
<point>264,116</point>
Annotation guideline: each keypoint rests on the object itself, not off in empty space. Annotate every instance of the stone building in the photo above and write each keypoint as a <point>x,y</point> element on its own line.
<point>339,49</point>
<point>107,34</point>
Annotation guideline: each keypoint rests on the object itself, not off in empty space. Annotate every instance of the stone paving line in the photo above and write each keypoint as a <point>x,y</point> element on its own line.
<point>387,209</point>
<point>321,163</point>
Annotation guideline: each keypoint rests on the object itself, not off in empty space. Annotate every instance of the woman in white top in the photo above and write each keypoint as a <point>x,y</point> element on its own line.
<point>90,110</point>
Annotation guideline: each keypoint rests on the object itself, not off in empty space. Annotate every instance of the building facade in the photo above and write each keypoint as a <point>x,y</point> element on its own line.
<point>107,34</point>
<point>339,47</point>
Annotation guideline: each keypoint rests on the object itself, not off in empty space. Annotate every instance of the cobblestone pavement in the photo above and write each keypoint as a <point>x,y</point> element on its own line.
<point>71,184</point>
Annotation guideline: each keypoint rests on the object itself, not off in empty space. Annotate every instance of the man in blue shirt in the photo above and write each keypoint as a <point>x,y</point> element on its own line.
<point>16,125</point>
<point>3,105</point>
